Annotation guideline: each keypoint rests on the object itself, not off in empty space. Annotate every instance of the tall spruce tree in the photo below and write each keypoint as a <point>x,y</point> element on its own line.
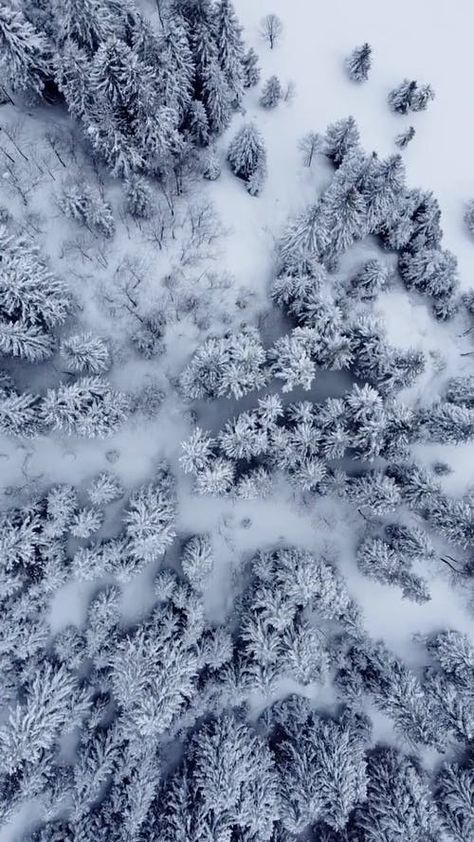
<point>25,54</point>
<point>230,48</point>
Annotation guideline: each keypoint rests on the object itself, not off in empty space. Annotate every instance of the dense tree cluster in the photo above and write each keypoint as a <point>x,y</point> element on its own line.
<point>369,196</point>
<point>136,92</point>
<point>410,96</point>
<point>130,691</point>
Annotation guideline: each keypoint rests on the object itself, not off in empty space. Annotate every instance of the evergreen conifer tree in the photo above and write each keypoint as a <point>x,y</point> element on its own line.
<point>246,152</point>
<point>25,54</point>
<point>404,138</point>
<point>341,137</point>
<point>251,68</point>
<point>230,49</point>
<point>271,93</point>
<point>359,62</point>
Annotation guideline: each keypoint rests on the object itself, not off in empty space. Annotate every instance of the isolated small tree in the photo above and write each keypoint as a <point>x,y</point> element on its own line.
<point>469,216</point>
<point>271,28</point>
<point>246,154</point>
<point>403,139</point>
<point>139,197</point>
<point>86,353</point>
<point>256,181</point>
<point>359,62</point>
<point>421,97</point>
<point>310,145</point>
<point>251,68</point>
<point>271,93</point>
<point>212,165</point>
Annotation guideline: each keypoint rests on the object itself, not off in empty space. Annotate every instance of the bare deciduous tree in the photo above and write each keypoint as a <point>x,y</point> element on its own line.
<point>271,28</point>
<point>310,145</point>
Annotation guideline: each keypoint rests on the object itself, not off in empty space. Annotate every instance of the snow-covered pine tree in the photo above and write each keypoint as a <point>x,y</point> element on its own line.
<point>84,204</point>
<point>421,97</point>
<point>226,366</point>
<point>72,77</point>
<point>18,413</point>
<point>230,49</point>
<point>370,280</point>
<point>455,799</point>
<point>85,522</point>
<point>404,138</point>
<point>217,98</point>
<point>212,165</point>
<point>382,562</point>
<point>139,196</point>
<point>251,68</point>
<point>150,519</point>
<point>322,773</point>
<point>216,478</point>
<point>225,749</point>
<point>359,62</point>
<point>104,489</point>
<point>344,213</point>
<point>271,93</point>
<point>291,362</point>
<point>26,56</point>
<point>430,270</point>
<point>176,72</point>
<point>197,560</point>
<point>89,407</point>
<point>203,45</point>
<point>29,292</point>
<point>398,800</point>
<point>21,339</point>
<point>247,155</point>
<point>198,452</point>
<point>85,353</point>
<point>447,423</point>
<point>340,138</point>
<point>198,123</point>
<point>400,99</point>
<point>52,703</point>
<point>469,216</point>
<point>460,390</point>
<point>86,23</point>
<point>376,491</point>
